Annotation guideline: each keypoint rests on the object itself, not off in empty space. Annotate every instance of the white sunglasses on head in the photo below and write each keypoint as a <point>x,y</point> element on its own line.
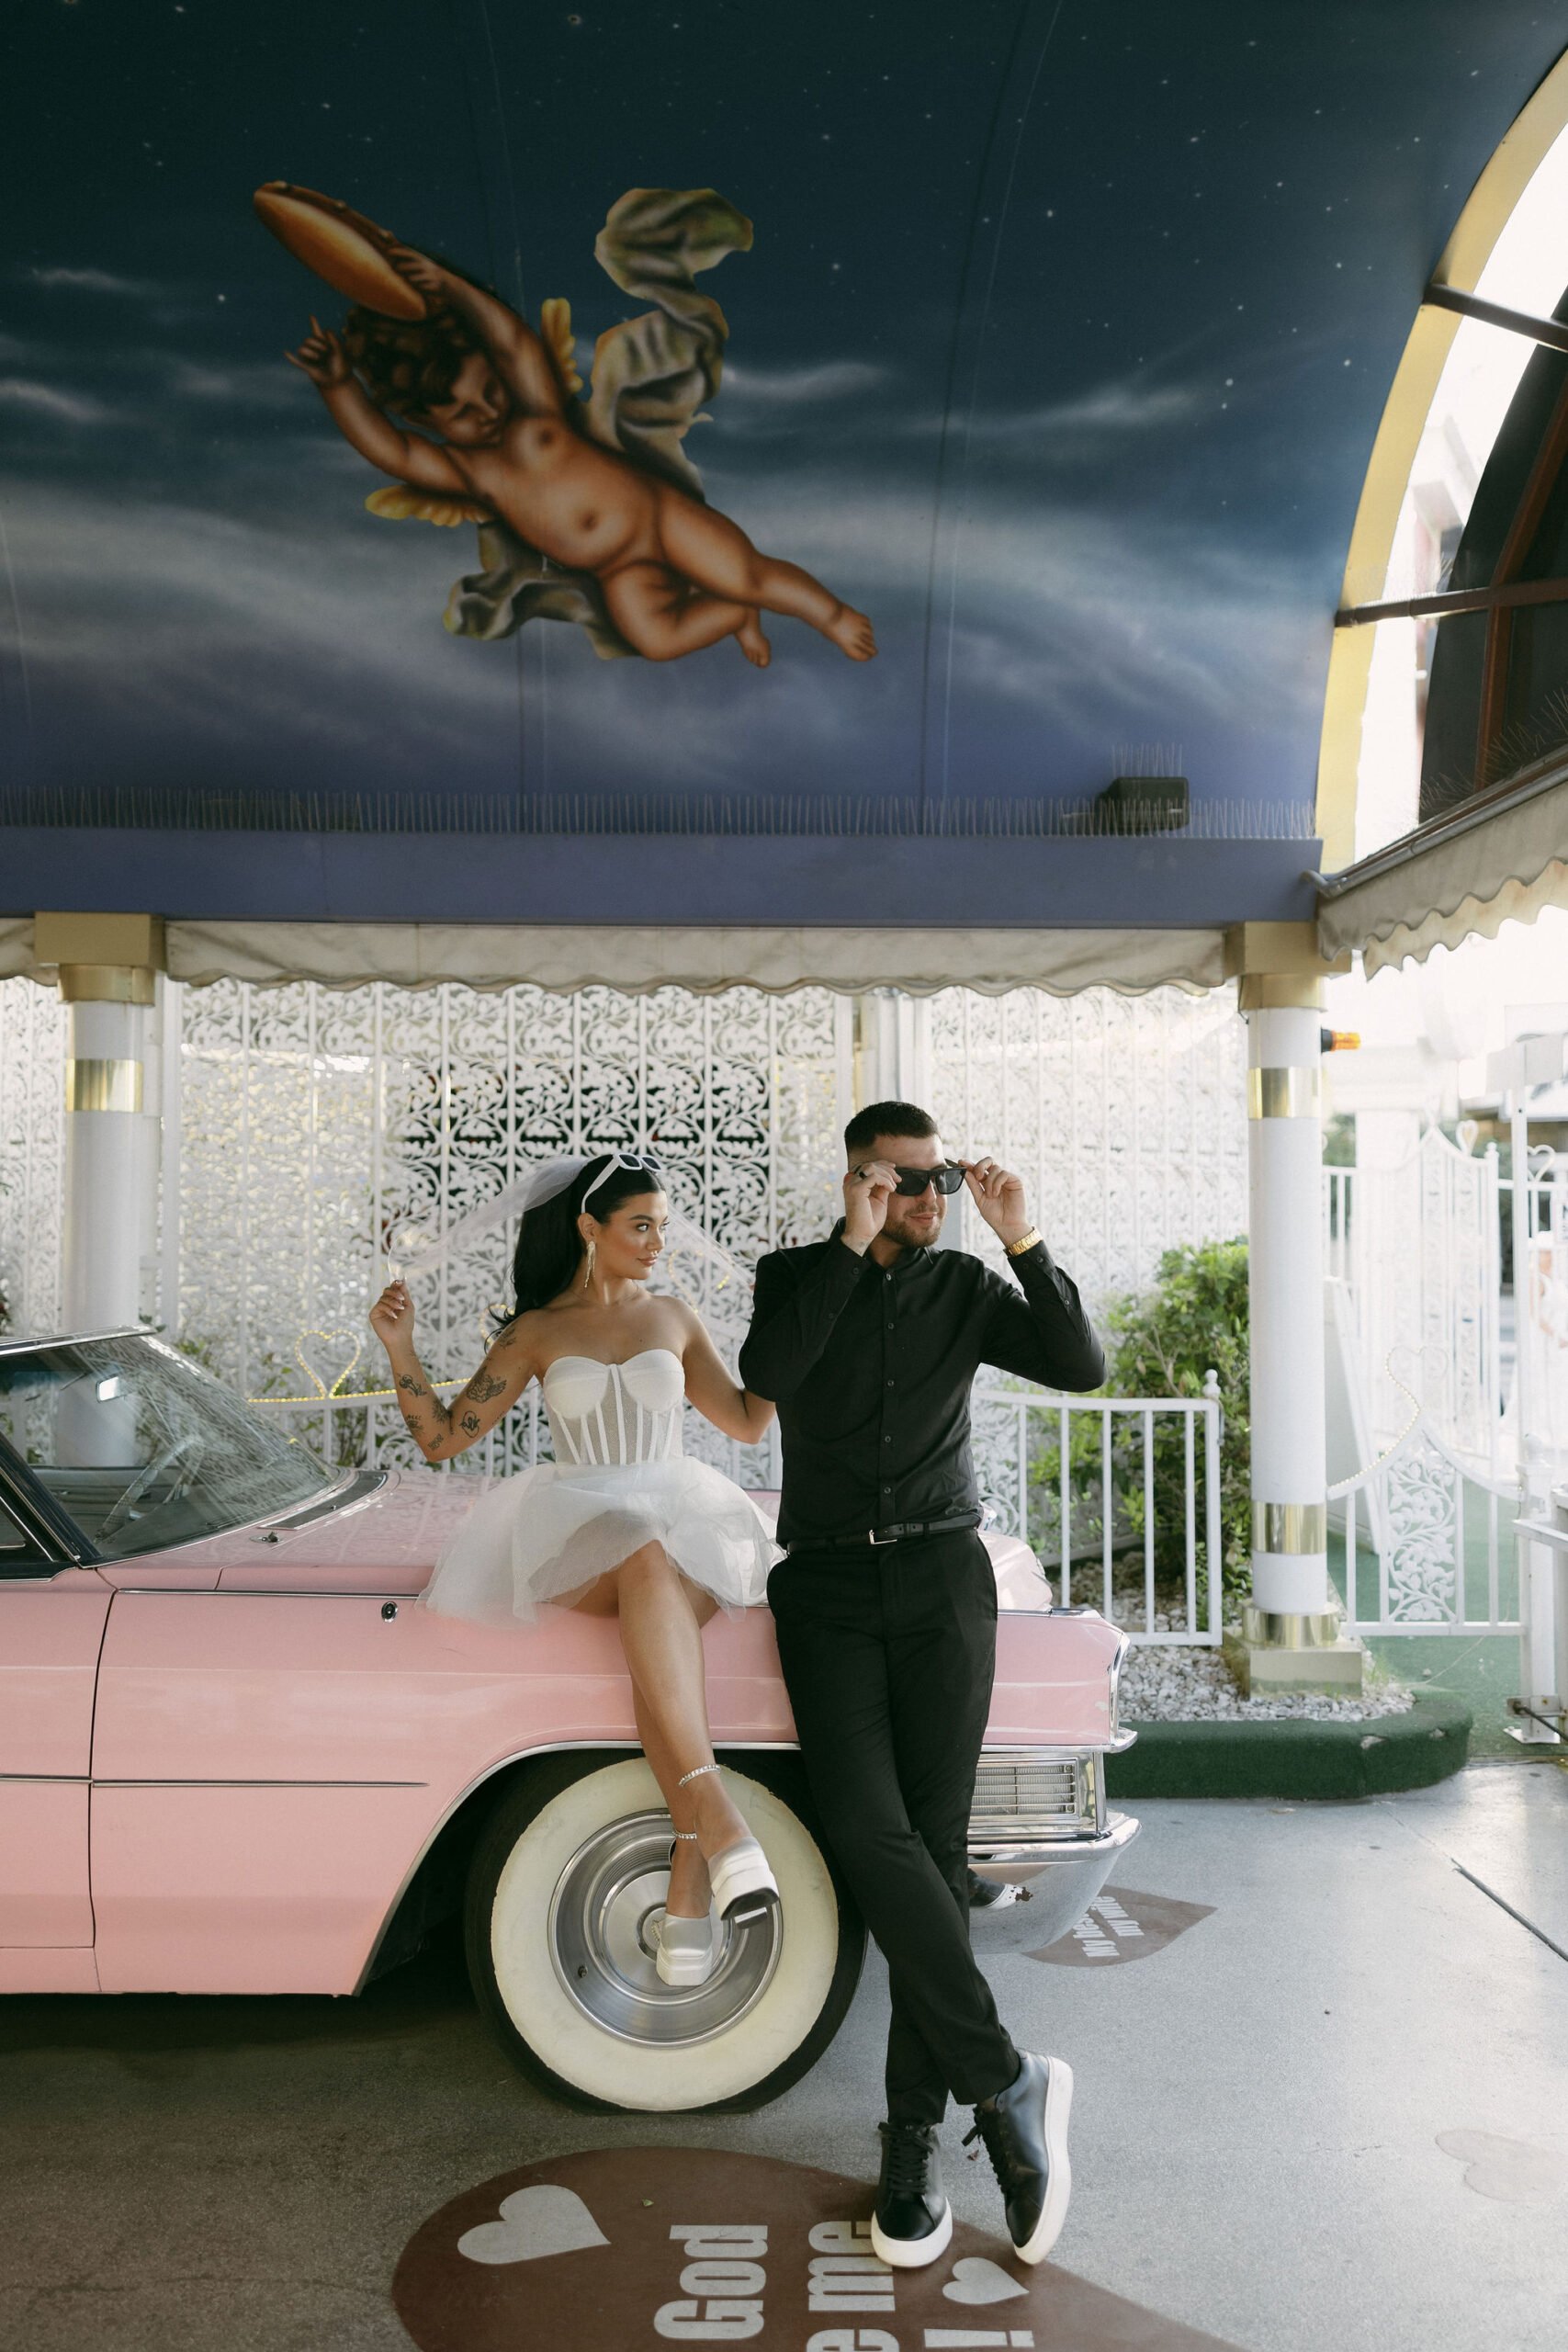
<point>635,1163</point>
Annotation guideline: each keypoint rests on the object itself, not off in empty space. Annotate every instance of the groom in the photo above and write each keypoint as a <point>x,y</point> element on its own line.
<point>886,1615</point>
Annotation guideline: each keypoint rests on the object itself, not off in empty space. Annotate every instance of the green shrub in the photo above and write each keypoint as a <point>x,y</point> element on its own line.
<point>1194,1320</point>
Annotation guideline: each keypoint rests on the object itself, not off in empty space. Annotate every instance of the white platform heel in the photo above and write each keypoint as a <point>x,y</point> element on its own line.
<point>683,1949</point>
<point>743,1887</point>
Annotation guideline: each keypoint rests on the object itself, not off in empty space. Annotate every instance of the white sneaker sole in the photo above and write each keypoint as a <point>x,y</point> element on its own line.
<point>913,2253</point>
<point>1059,2182</point>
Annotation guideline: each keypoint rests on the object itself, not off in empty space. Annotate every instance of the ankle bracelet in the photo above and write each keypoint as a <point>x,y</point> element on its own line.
<point>697,1774</point>
<point>686,1837</point>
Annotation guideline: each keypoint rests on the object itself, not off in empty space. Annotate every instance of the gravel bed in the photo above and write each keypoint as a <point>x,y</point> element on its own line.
<point>1185,1686</point>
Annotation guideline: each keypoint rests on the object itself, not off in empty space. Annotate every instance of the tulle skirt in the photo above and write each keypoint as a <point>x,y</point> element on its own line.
<point>550,1531</point>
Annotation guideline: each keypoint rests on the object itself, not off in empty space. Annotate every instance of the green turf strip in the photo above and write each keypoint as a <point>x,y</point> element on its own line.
<point>1296,1757</point>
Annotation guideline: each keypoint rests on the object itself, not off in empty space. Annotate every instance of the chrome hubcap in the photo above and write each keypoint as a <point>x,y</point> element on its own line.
<point>603,1927</point>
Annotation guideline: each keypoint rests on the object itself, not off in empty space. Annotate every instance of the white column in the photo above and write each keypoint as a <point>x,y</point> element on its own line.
<point>106,966</point>
<point>165,1302</point>
<point>1290,1559</point>
<point>107,1168</point>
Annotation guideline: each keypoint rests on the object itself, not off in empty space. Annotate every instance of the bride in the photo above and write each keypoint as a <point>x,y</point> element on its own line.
<point>621,1524</point>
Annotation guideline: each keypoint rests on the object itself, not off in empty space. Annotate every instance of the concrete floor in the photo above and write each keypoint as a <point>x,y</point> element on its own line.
<point>1256,2131</point>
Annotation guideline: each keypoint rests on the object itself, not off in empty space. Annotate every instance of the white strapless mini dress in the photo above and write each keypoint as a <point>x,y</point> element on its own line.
<point>619,1480</point>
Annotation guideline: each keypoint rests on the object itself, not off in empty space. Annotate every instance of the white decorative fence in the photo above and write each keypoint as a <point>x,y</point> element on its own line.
<point>1540,1294</point>
<point>1422,1539</point>
<point>1447,1562</point>
<point>1417,1242</point>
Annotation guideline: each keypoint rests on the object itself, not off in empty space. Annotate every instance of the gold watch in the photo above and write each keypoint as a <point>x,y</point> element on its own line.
<point>1030,1240</point>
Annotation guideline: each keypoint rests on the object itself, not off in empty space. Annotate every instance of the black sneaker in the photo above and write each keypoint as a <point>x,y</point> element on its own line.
<point>1025,2131</point>
<point>993,1894</point>
<point>913,2220</point>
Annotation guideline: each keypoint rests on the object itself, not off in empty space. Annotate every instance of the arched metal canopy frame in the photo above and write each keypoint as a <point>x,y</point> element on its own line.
<point>1409,405</point>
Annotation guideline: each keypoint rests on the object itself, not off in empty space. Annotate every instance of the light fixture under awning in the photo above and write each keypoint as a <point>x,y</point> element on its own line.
<point>1499,858</point>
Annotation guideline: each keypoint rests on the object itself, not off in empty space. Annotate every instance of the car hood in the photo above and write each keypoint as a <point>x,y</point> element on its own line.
<point>388,1541</point>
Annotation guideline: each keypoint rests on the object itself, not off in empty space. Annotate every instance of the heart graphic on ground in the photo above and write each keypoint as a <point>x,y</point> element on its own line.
<point>534,2223</point>
<point>689,2227</point>
<point>1121,1925</point>
<point>1510,2170</point>
<point>975,2281</point>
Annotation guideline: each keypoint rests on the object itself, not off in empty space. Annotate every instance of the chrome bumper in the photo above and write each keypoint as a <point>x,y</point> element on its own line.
<point>1016,1865</point>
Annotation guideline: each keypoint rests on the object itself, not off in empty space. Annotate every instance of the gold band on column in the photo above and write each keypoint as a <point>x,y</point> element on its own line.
<point>103,1086</point>
<point>1289,1527</point>
<point>1289,1093</point>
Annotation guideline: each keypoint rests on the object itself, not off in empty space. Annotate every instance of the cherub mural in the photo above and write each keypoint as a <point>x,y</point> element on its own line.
<point>588,509</point>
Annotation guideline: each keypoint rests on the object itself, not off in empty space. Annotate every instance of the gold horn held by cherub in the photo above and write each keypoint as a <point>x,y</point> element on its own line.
<point>339,245</point>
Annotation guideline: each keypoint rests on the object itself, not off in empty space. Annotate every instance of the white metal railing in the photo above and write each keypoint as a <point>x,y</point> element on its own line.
<point>360,1431</point>
<point>1449,1561</point>
<point>1047,1465</point>
<point>1101,1486</point>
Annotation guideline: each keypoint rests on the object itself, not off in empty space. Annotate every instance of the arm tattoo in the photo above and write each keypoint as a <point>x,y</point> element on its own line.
<point>410,1385</point>
<point>470,1420</point>
<point>483,1387</point>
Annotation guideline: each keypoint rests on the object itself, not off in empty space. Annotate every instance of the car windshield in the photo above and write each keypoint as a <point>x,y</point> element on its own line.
<point>141,1448</point>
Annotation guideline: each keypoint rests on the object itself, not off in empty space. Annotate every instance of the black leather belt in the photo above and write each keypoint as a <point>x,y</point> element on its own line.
<point>901,1533</point>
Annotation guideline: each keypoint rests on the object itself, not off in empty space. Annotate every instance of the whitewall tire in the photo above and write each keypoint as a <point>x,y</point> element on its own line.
<point>565,1893</point>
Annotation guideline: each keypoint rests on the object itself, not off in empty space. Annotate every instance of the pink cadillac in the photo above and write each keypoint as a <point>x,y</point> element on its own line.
<point>235,1758</point>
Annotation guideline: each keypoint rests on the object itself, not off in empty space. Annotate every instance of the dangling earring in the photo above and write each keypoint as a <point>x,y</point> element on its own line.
<point>587,1267</point>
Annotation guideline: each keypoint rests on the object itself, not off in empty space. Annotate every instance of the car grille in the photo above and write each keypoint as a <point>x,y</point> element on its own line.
<point>1029,1800</point>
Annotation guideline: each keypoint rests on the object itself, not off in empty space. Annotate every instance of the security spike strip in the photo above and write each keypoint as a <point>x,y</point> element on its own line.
<point>1133,806</point>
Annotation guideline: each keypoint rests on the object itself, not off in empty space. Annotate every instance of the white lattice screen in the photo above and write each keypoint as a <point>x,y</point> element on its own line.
<point>311,1120</point>
<point>315,1122</point>
<point>1125,1115</point>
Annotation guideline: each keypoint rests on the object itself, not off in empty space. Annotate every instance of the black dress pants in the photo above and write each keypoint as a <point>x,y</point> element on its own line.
<point>888,1657</point>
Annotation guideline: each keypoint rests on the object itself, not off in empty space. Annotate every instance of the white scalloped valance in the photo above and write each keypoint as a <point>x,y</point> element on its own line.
<point>1471,872</point>
<point>636,958</point>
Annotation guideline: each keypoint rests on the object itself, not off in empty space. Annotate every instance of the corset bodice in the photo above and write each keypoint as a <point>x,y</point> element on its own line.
<point>615,1413</point>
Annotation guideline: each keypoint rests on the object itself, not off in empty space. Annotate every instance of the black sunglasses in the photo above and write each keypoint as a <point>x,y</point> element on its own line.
<point>912,1182</point>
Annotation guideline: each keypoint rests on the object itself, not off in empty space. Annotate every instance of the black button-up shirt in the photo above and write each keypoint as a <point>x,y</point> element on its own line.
<point>871,1367</point>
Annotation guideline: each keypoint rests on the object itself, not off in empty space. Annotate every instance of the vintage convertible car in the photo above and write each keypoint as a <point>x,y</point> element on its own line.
<point>236,1758</point>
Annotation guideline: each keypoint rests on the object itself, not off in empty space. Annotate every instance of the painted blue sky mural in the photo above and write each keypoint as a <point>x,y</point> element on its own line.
<point>1059,351</point>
